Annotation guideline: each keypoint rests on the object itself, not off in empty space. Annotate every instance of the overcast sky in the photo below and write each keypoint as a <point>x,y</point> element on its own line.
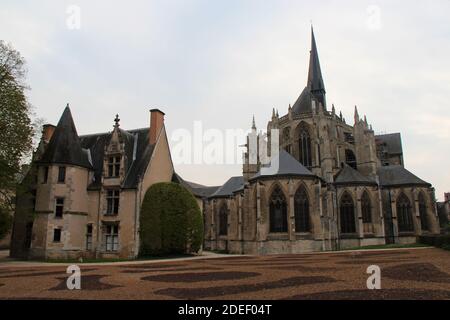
<point>221,61</point>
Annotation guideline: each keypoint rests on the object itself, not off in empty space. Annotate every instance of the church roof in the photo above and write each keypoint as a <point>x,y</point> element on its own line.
<point>197,189</point>
<point>349,176</point>
<point>304,102</point>
<point>315,80</point>
<point>64,147</point>
<point>283,164</point>
<point>397,175</point>
<point>233,184</point>
<point>315,88</point>
<point>392,141</point>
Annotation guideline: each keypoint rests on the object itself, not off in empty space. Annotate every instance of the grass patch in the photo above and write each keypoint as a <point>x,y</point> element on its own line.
<point>389,246</point>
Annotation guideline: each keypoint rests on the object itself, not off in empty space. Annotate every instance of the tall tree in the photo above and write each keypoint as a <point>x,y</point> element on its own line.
<point>16,129</point>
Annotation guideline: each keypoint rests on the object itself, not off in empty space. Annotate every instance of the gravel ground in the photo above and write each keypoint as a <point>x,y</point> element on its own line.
<point>405,274</point>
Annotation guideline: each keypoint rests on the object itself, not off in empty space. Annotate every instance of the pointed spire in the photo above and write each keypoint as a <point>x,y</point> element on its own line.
<point>273,113</point>
<point>365,120</point>
<point>253,123</point>
<point>64,146</point>
<point>333,110</point>
<point>356,116</point>
<point>277,114</point>
<point>340,115</point>
<point>315,80</point>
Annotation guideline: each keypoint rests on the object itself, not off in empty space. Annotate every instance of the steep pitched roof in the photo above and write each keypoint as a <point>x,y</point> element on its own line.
<point>392,141</point>
<point>233,184</point>
<point>197,189</point>
<point>315,88</point>
<point>304,102</point>
<point>138,152</point>
<point>64,146</point>
<point>283,164</point>
<point>349,176</point>
<point>397,175</point>
<point>315,80</point>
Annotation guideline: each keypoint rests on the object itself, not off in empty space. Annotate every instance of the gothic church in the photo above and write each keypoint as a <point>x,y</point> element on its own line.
<point>334,186</point>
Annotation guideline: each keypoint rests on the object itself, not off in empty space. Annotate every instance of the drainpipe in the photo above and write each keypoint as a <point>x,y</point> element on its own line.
<point>98,244</point>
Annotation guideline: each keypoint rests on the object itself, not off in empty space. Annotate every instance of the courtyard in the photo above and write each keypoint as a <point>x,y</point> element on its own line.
<point>422,273</point>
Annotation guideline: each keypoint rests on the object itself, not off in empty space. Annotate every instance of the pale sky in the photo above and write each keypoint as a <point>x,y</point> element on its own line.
<point>221,61</point>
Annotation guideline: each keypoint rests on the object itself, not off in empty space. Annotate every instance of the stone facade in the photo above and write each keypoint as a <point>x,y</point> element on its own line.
<point>85,198</point>
<point>348,188</point>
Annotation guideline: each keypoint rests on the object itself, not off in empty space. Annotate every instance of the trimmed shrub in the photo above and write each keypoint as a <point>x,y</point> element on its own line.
<point>170,221</point>
<point>440,241</point>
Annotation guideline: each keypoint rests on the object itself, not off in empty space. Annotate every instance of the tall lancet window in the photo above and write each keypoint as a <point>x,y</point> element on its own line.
<point>287,139</point>
<point>347,214</point>
<point>223,220</point>
<point>301,211</point>
<point>404,216</point>
<point>305,148</point>
<point>366,208</point>
<point>423,212</point>
<point>278,211</point>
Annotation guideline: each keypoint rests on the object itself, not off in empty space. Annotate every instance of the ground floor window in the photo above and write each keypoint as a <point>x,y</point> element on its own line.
<point>89,237</point>
<point>57,235</point>
<point>404,215</point>
<point>347,214</point>
<point>111,237</point>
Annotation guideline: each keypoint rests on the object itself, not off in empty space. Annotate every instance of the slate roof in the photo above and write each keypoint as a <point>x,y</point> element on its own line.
<point>233,184</point>
<point>315,88</point>
<point>304,102</point>
<point>349,176</point>
<point>64,146</point>
<point>197,189</point>
<point>315,80</point>
<point>283,164</point>
<point>392,141</point>
<point>397,175</point>
<point>138,152</point>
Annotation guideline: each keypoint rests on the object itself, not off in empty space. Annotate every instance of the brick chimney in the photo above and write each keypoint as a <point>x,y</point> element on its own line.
<point>156,124</point>
<point>47,132</point>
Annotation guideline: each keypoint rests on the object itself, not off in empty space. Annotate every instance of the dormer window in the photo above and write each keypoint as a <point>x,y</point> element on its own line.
<point>113,166</point>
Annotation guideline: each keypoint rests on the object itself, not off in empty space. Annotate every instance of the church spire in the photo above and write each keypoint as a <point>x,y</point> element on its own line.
<point>315,80</point>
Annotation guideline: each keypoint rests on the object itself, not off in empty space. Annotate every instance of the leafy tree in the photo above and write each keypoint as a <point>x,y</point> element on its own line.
<point>16,129</point>
<point>170,221</point>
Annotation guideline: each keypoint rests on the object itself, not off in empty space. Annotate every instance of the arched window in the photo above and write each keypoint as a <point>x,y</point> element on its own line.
<point>278,211</point>
<point>423,212</point>
<point>301,211</point>
<point>223,220</point>
<point>404,216</point>
<point>366,208</point>
<point>350,158</point>
<point>347,210</point>
<point>287,139</point>
<point>305,148</point>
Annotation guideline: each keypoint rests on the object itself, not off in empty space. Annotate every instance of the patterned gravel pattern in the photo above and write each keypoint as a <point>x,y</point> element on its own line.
<point>405,274</point>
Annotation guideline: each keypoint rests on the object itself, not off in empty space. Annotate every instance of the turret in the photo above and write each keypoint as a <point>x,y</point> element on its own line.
<point>61,195</point>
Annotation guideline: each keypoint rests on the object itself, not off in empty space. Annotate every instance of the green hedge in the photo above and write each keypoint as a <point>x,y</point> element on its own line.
<point>440,241</point>
<point>170,221</point>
